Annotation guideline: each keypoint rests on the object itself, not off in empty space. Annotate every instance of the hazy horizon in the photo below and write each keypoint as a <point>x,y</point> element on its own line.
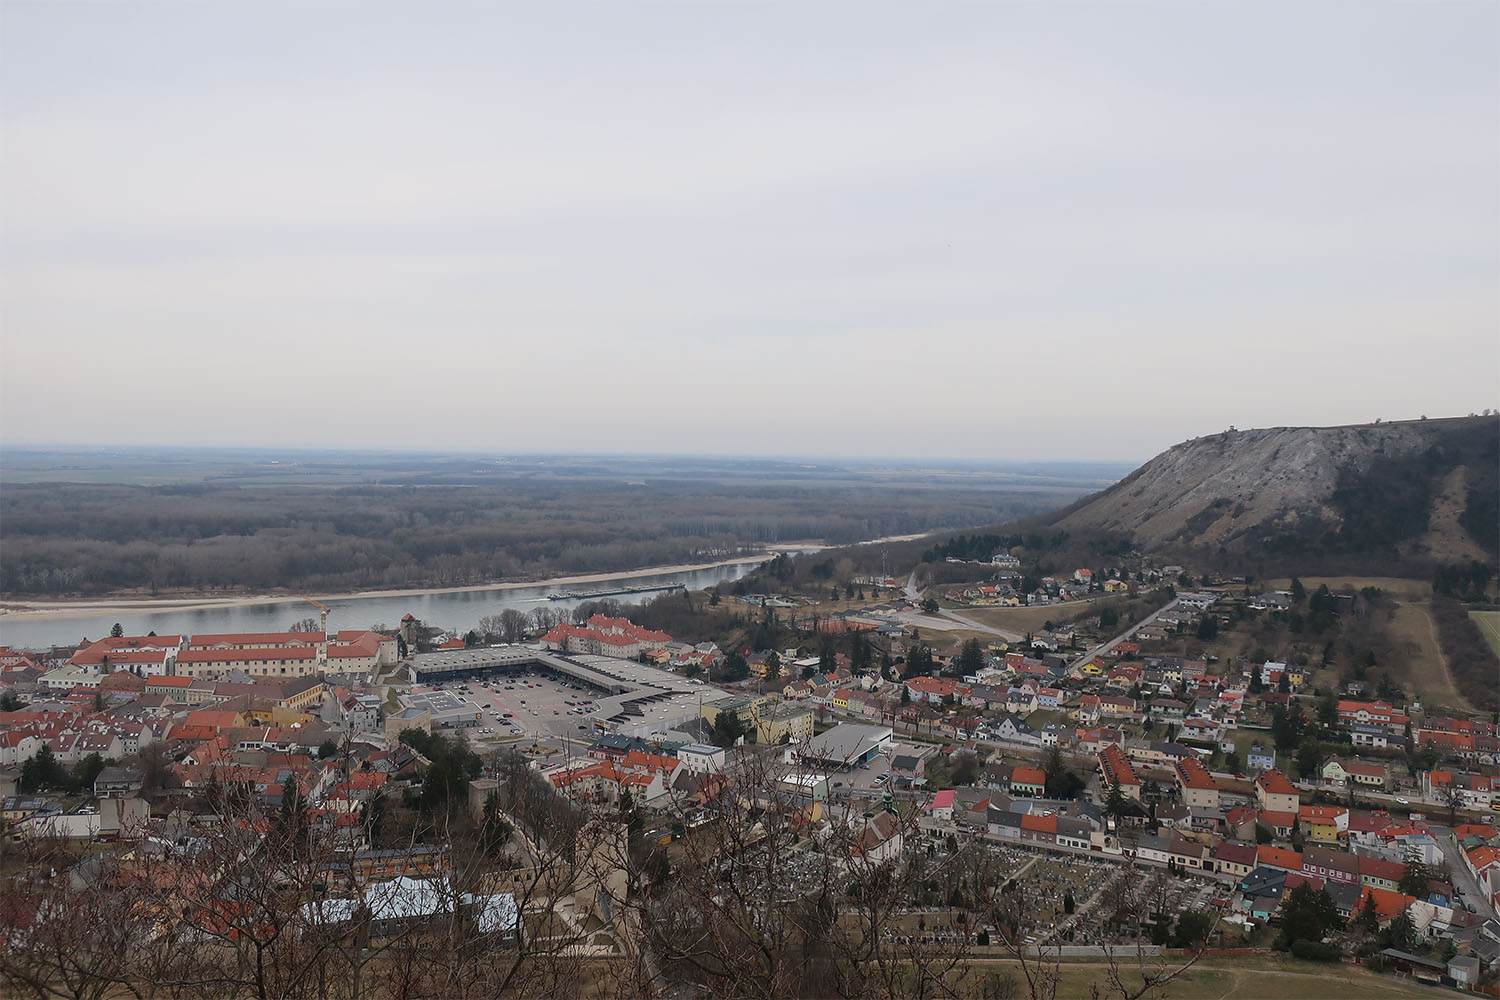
<point>414,451</point>
<point>1018,232</point>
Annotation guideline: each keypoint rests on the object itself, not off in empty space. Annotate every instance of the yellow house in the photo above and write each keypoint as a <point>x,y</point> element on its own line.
<point>20,806</point>
<point>1093,668</point>
<point>1323,823</point>
<point>748,708</point>
<point>841,698</point>
<point>784,723</point>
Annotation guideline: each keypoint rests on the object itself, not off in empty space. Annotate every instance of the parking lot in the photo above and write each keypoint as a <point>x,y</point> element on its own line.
<point>534,704</point>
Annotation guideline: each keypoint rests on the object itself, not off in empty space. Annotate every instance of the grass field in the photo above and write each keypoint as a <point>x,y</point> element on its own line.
<point>1025,619</point>
<point>1398,587</point>
<point>1424,670</point>
<point>1489,624</point>
<point>1249,978</point>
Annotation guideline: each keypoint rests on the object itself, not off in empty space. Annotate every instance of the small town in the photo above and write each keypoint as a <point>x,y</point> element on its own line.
<point>749,501</point>
<point>1146,803</point>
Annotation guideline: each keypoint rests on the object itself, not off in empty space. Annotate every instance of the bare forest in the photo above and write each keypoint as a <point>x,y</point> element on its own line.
<point>89,539</point>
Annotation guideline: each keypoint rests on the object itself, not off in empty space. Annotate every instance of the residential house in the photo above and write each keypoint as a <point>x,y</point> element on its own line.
<point>1279,858</point>
<point>1380,873</point>
<point>1013,730</point>
<point>1233,857</point>
<point>1275,793</point>
<point>1259,758</point>
<point>1028,781</point>
<point>1115,769</point>
<point>1325,824</point>
<point>1339,774</point>
<point>1197,787</point>
<point>1335,866</point>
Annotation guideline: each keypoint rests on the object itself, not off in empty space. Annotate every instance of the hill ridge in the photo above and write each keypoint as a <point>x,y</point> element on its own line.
<point>1357,493</point>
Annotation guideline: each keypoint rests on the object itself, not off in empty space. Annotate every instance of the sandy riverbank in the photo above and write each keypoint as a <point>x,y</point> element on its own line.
<point>39,610</point>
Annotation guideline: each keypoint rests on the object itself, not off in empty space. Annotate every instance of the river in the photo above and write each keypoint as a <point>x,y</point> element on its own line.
<point>455,611</point>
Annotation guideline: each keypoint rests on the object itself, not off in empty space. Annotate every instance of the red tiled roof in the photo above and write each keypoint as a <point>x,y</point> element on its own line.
<point>1274,818</point>
<point>1278,857</point>
<point>1040,824</point>
<point>1117,766</point>
<point>1388,904</point>
<point>1322,814</point>
<point>1193,775</point>
<point>1381,868</point>
<point>114,646</point>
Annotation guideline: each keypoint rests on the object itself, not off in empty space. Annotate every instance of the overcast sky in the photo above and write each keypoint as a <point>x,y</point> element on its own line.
<point>988,230</point>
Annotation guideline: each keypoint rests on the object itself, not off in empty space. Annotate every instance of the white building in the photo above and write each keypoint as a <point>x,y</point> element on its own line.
<point>698,758</point>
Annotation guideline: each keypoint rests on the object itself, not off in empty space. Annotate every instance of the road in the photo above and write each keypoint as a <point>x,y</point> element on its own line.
<point>1461,877</point>
<point>1111,644</point>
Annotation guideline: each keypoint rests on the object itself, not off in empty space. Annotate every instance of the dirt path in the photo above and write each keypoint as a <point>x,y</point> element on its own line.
<point>1234,985</point>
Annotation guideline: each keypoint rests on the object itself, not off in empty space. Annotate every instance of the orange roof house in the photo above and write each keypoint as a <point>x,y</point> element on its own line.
<point>1388,904</point>
<point>1278,857</point>
<point>1028,776</point>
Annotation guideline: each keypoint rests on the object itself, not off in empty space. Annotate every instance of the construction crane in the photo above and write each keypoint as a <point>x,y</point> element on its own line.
<point>321,608</point>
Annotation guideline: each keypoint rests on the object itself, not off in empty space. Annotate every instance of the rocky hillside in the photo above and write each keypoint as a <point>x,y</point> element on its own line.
<point>1393,498</point>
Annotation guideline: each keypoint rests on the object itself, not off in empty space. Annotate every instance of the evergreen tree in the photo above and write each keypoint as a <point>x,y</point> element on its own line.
<point>972,659</point>
<point>1415,878</point>
<point>1114,803</point>
<point>1308,756</point>
<point>859,655</point>
<point>1402,934</point>
<point>86,770</point>
<point>42,772</point>
<point>1307,916</point>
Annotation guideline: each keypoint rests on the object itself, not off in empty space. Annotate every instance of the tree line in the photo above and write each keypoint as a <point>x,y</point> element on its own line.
<point>1471,661</point>
<point>92,539</point>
